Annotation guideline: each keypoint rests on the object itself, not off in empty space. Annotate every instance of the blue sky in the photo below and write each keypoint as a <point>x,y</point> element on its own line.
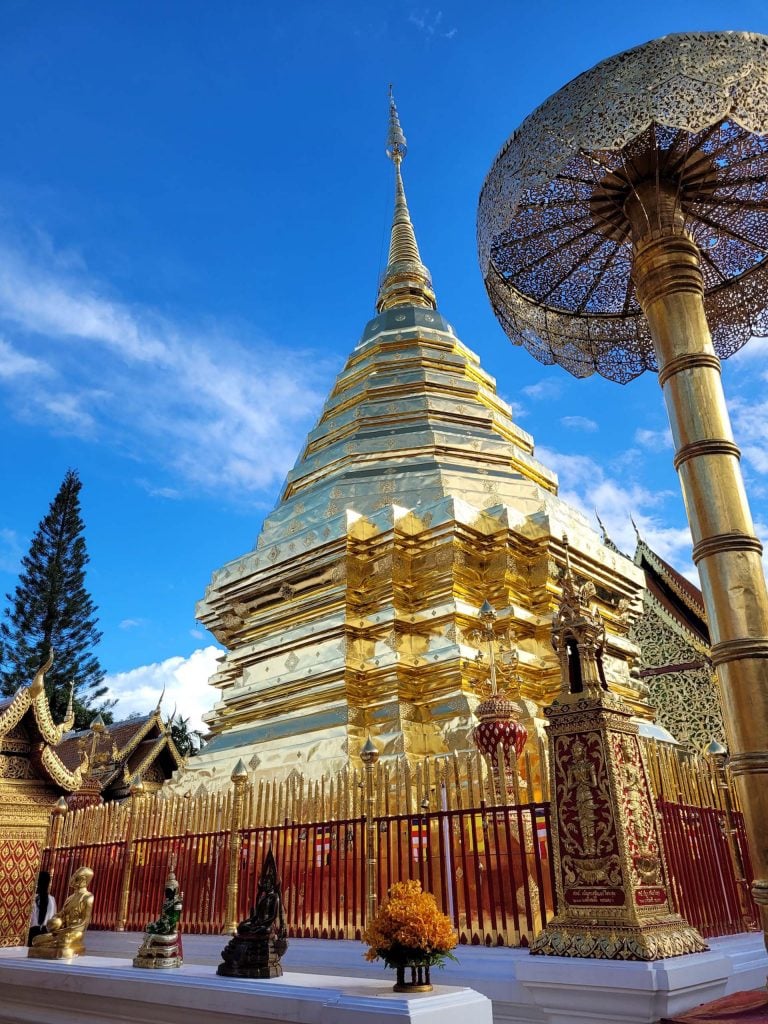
<point>194,203</point>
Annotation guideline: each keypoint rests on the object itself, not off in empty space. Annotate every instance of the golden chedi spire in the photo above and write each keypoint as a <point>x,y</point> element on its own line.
<point>345,620</point>
<point>406,281</point>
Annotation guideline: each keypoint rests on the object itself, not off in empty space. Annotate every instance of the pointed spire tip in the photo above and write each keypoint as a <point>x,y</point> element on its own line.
<point>397,146</point>
<point>406,281</point>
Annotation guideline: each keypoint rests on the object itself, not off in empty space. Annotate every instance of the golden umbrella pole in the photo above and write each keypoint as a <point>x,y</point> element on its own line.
<point>668,280</point>
<point>623,227</point>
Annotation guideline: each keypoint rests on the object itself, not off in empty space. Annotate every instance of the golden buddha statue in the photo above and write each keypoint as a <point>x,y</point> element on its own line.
<point>64,937</point>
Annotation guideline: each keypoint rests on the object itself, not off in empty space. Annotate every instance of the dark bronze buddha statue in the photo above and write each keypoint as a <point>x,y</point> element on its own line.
<point>254,951</point>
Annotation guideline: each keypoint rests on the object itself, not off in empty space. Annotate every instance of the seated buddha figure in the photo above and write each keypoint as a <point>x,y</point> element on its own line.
<point>260,940</point>
<point>162,939</point>
<point>66,930</point>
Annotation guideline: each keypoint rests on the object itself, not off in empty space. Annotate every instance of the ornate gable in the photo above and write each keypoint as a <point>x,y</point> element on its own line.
<point>120,751</point>
<point>29,736</point>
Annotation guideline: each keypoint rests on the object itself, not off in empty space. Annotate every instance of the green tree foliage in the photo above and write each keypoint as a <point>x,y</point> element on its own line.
<point>188,741</point>
<point>52,610</point>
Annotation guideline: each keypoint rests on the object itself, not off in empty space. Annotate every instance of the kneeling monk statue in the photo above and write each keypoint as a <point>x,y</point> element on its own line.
<point>255,949</point>
<point>162,939</point>
<point>64,937</point>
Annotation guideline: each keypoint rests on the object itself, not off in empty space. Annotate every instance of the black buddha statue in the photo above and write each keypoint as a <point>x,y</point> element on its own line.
<point>254,951</point>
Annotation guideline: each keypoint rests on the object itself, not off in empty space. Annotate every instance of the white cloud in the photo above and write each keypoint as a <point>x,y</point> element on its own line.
<point>131,623</point>
<point>579,423</point>
<point>65,413</point>
<point>212,410</point>
<point>185,681</point>
<point>15,364</point>
<point>585,485</point>
<point>654,440</point>
<point>750,427</point>
<point>756,348</point>
<point>154,491</point>
<point>757,457</point>
<point>546,388</point>
<point>430,23</point>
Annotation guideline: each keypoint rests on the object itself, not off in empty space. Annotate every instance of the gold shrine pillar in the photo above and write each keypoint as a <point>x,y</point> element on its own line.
<point>611,882</point>
<point>728,555</point>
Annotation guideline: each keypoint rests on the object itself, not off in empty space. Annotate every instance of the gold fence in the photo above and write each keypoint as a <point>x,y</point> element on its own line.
<point>451,782</point>
<point>690,778</point>
<point>479,840</point>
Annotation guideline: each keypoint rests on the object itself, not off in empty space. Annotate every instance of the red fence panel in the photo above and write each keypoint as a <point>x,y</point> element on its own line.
<point>200,863</point>
<point>320,864</point>
<point>488,868</point>
<point>706,888</point>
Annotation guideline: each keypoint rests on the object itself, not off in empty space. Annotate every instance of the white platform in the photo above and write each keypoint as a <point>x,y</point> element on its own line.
<point>524,989</point>
<point>108,990</point>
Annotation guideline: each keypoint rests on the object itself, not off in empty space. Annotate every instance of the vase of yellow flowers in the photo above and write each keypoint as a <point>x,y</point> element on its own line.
<point>410,934</point>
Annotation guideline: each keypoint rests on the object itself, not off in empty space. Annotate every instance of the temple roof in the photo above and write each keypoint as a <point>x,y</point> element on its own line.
<point>680,598</point>
<point>26,716</point>
<point>124,748</point>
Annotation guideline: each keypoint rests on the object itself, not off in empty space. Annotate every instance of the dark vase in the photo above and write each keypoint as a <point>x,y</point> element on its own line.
<point>418,981</point>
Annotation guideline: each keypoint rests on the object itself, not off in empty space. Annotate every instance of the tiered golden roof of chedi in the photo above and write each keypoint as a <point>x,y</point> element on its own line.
<point>416,497</point>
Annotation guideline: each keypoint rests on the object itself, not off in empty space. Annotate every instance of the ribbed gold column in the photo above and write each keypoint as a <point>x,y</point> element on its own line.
<point>137,795</point>
<point>239,779</point>
<point>58,814</point>
<point>369,755</point>
<point>669,285</point>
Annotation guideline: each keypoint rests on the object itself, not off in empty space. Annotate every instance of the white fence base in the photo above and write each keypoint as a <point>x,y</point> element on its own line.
<point>524,989</point>
<point>101,990</point>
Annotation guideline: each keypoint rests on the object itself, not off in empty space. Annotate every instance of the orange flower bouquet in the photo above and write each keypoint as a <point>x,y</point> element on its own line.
<point>410,932</point>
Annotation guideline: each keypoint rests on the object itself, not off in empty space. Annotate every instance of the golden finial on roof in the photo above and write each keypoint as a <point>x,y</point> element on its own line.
<point>567,578</point>
<point>406,280</point>
<point>37,684</point>
<point>69,716</point>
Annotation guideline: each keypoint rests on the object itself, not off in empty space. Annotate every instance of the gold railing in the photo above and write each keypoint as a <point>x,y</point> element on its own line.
<point>430,819</point>
<point>452,782</point>
<point>690,779</point>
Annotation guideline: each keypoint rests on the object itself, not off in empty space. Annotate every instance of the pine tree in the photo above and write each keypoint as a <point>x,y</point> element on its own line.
<point>52,610</point>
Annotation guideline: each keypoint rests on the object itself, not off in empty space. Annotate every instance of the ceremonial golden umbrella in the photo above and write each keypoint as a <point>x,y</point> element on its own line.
<point>624,227</point>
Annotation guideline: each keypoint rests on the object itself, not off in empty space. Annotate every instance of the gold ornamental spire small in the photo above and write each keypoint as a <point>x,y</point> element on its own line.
<point>406,281</point>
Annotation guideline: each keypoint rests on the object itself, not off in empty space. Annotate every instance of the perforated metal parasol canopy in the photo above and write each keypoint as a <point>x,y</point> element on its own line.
<point>687,112</point>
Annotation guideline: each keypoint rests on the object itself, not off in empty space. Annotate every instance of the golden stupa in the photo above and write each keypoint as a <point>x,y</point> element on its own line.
<point>415,499</point>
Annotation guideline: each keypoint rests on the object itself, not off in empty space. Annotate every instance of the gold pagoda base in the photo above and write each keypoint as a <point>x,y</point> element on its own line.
<point>664,937</point>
